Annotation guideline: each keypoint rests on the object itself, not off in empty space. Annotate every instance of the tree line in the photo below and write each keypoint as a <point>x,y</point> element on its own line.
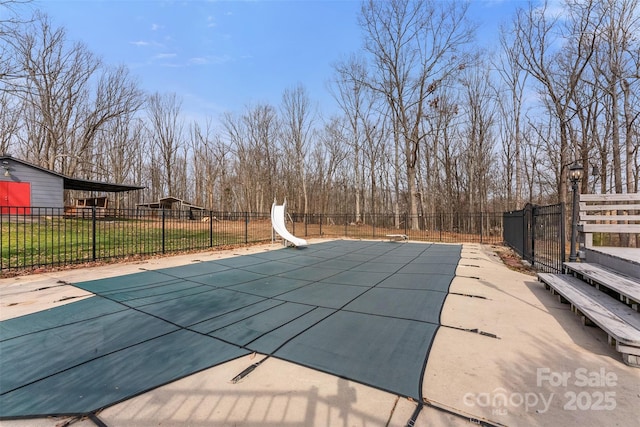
<point>427,120</point>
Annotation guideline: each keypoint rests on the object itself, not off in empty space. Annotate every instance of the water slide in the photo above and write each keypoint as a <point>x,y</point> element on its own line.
<point>277,221</point>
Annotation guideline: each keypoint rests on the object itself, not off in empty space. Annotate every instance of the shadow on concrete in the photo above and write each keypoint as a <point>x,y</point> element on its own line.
<point>243,408</point>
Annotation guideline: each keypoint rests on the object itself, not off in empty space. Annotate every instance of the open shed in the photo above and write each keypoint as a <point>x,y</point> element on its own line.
<point>171,206</point>
<point>24,185</point>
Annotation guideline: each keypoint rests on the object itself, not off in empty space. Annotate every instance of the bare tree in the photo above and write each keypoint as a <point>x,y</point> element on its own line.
<point>349,92</point>
<point>67,97</point>
<point>10,112</point>
<point>332,152</point>
<point>11,20</point>
<point>209,164</point>
<point>533,156</point>
<point>200,140</point>
<point>588,112</point>
<point>238,142</point>
<point>415,46</point>
<point>261,123</point>
<point>254,140</point>
<point>165,132</point>
<point>181,177</point>
<point>479,110</point>
<point>617,62</point>
<point>218,173</point>
<point>558,72</point>
<point>511,105</point>
<point>441,152</point>
<point>297,120</point>
<point>117,97</point>
<point>56,87</point>
<point>374,153</point>
<point>117,148</point>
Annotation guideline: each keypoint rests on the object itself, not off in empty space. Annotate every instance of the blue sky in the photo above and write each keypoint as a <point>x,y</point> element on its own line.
<point>224,55</point>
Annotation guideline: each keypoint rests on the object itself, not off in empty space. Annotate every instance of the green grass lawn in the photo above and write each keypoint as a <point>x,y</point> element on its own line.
<point>59,240</point>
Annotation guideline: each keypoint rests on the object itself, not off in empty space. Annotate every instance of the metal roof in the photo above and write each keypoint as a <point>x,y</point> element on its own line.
<point>76,183</point>
<point>87,185</point>
<point>170,200</point>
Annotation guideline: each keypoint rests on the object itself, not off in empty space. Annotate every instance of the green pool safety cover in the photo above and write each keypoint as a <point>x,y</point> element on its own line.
<point>365,311</point>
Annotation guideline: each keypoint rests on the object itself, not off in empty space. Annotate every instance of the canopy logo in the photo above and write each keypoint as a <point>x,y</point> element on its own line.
<point>500,401</point>
<point>587,393</point>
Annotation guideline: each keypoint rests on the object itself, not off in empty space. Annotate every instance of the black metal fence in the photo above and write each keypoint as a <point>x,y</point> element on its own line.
<point>51,237</point>
<point>537,234</point>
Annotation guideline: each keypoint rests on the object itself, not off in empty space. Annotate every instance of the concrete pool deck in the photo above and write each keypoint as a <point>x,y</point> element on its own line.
<point>508,354</point>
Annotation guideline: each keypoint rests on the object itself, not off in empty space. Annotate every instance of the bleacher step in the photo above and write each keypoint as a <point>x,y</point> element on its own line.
<point>628,288</point>
<point>622,260</point>
<point>620,322</point>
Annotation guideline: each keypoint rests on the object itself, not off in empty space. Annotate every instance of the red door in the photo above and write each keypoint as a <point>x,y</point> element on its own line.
<point>15,195</point>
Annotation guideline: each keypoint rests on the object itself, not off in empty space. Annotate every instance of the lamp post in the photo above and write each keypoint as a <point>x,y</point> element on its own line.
<point>575,175</point>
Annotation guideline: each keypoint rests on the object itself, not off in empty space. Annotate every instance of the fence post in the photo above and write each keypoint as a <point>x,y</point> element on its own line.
<point>163,232</point>
<point>563,236</point>
<point>534,215</point>
<point>481,226</point>
<point>526,232</point>
<point>246,228</point>
<point>321,225</point>
<point>210,229</point>
<point>406,223</point>
<point>373,224</point>
<point>93,231</point>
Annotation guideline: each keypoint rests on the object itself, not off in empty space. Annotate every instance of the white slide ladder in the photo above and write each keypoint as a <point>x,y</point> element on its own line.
<point>277,221</point>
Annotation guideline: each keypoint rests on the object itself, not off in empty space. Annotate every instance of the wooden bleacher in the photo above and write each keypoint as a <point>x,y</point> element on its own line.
<point>606,296</point>
<point>608,213</point>
<point>627,289</point>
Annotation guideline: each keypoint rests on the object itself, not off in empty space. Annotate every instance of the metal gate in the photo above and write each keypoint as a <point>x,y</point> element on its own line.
<point>537,234</point>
